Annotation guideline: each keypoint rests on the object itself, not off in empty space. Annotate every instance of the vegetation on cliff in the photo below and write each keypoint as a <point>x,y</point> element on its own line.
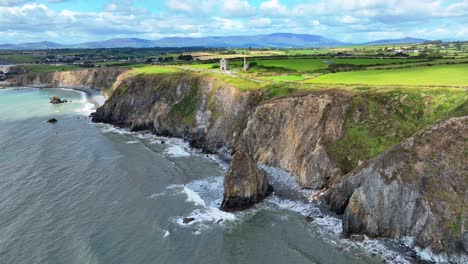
<point>378,119</point>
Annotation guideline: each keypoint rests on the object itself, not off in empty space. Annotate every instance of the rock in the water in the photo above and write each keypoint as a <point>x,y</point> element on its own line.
<point>187,220</point>
<point>57,100</point>
<point>358,237</point>
<point>245,184</point>
<point>52,120</point>
<point>310,219</point>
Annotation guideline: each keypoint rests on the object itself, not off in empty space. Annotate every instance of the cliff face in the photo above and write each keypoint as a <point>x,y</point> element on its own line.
<point>98,79</point>
<point>198,108</point>
<point>417,188</point>
<point>291,133</point>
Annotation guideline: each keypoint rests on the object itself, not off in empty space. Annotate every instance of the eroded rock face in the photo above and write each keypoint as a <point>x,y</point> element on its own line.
<point>196,108</point>
<point>245,184</point>
<point>98,79</point>
<point>291,133</point>
<point>416,188</point>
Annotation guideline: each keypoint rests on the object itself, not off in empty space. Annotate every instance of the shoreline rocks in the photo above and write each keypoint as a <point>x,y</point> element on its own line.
<point>416,188</point>
<point>245,184</point>
<point>57,100</point>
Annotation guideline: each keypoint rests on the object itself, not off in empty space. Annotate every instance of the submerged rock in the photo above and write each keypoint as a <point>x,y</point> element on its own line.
<point>57,100</point>
<point>187,220</point>
<point>52,120</point>
<point>245,184</point>
<point>417,188</point>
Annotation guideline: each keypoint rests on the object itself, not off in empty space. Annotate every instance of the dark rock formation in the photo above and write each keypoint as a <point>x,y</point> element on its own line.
<point>245,184</point>
<point>98,79</point>
<point>52,120</point>
<point>187,220</point>
<point>196,108</point>
<point>394,195</point>
<point>57,100</point>
<point>416,188</point>
<point>291,133</point>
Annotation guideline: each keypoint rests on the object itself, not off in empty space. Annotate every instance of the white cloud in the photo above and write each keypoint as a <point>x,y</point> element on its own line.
<point>262,22</point>
<point>194,7</point>
<point>342,19</point>
<point>348,20</point>
<point>227,24</point>
<point>273,8</point>
<point>236,8</point>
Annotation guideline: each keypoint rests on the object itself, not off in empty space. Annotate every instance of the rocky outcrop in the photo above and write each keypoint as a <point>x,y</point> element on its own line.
<point>98,79</point>
<point>209,114</point>
<point>291,133</point>
<point>417,188</point>
<point>407,190</point>
<point>245,184</point>
<point>57,100</point>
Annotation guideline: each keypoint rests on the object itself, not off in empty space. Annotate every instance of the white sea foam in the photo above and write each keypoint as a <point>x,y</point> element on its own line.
<point>176,151</point>
<point>206,195</point>
<point>109,129</point>
<point>166,233</point>
<point>88,107</point>
<point>132,142</point>
<point>428,255</point>
<point>300,207</point>
<point>331,224</point>
<point>193,197</point>
<point>208,214</point>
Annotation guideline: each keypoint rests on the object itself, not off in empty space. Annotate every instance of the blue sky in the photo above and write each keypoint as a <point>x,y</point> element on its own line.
<point>73,21</point>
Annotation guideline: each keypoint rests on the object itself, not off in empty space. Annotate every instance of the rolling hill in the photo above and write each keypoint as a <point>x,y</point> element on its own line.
<point>278,40</point>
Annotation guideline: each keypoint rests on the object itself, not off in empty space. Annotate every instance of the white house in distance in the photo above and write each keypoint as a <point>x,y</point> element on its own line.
<point>224,65</point>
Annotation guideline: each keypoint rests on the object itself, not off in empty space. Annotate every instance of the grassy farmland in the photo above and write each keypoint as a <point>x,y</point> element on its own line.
<point>154,70</point>
<point>43,68</point>
<point>440,75</point>
<point>310,65</point>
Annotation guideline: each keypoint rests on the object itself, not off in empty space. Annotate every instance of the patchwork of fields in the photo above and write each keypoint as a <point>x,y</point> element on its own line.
<point>439,65</point>
<point>441,75</point>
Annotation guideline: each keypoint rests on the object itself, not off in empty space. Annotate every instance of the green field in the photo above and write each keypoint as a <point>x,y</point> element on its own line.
<point>17,58</point>
<point>42,68</point>
<point>440,75</point>
<point>154,70</point>
<point>284,78</point>
<point>309,65</point>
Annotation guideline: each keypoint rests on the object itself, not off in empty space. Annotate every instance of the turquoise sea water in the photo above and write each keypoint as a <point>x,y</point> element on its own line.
<point>77,192</point>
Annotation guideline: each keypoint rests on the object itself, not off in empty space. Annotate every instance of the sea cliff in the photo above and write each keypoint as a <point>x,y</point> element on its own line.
<point>390,161</point>
<point>101,79</point>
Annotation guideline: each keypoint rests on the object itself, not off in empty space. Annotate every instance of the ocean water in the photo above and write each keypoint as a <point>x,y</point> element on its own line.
<point>78,192</point>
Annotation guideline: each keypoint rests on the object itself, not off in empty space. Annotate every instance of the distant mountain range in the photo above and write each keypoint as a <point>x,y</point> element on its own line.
<point>279,40</point>
<point>396,41</point>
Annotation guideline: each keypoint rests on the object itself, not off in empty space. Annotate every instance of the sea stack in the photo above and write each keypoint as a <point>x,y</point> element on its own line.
<point>245,184</point>
<point>57,100</point>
